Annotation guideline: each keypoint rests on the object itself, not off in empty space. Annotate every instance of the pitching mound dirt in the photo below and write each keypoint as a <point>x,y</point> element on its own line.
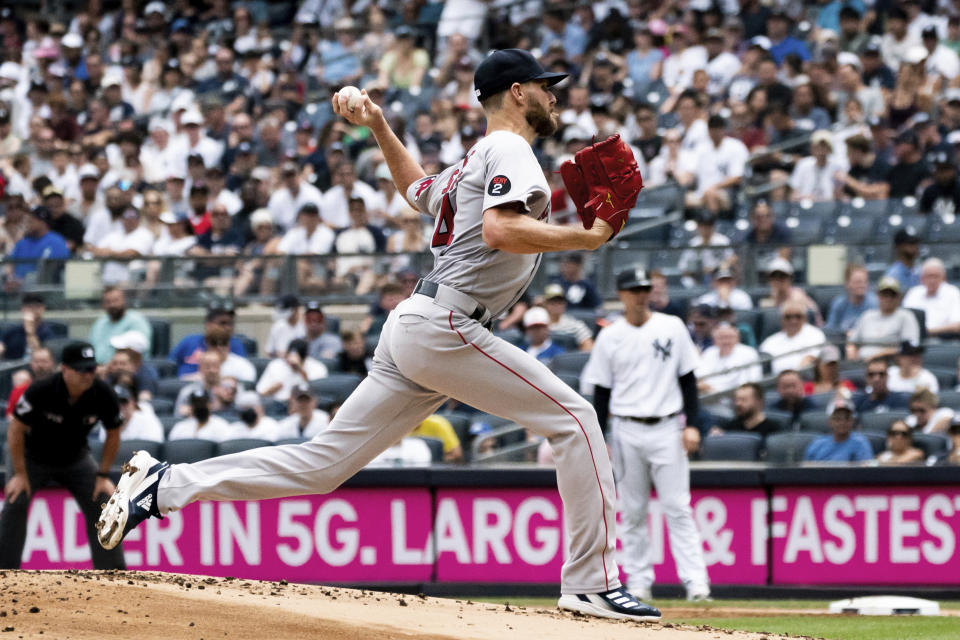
<point>132,605</point>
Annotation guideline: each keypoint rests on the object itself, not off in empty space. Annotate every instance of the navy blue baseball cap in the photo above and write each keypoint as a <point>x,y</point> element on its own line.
<point>503,67</point>
<point>634,279</point>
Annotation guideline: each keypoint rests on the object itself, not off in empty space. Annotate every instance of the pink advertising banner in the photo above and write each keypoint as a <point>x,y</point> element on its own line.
<point>353,535</point>
<point>866,535</point>
<point>516,535</point>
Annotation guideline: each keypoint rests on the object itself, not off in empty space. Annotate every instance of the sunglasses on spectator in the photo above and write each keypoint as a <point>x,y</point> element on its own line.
<point>898,433</point>
<point>793,316</point>
<point>218,343</point>
<point>876,374</point>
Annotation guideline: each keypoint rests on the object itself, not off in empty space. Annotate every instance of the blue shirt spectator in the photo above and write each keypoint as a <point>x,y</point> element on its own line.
<point>855,448</point>
<point>186,355</point>
<point>38,243</point>
<point>778,30</point>
<point>906,268</point>
<point>578,290</point>
<point>846,309</point>
<point>14,342</point>
<point>829,15</point>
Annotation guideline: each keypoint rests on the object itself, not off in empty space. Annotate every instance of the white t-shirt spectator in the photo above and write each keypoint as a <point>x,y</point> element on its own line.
<point>939,415</point>
<point>696,134</point>
<point>284,205</point>
<point>281,335</point>
<point>940,309</point>
<point>296,242</point>
<point>409,452</point>
<point>878,332</point>
<point>167,246</point>
<point>812,181</point>
<point>239,368</point>
<point>788,352</point>
<point>143,425</point>
<point>289,427</point>
<point>896,382</point>
<point>140,240</point>
<point>716,366</point>
<point>266,429</point>
<point>739,300</point>
<point>721,71</point>
<point>279,370</point>
<point>678,68</point>
<point>706,259</point>
<point>100,225</point>
<point>718,163</point>
<point>215,429</point>
<point>335,207</point>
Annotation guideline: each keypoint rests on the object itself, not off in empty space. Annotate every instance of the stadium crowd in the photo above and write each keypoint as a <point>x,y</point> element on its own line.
<point>192,145</point>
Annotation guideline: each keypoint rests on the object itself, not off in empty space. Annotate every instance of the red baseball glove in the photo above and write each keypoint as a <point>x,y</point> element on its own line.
<point>604,181</point>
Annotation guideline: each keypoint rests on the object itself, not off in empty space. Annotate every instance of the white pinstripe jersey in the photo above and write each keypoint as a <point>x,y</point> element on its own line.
<point>498,170</point>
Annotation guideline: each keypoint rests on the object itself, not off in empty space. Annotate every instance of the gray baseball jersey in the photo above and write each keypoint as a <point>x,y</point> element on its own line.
<point>500,169</point>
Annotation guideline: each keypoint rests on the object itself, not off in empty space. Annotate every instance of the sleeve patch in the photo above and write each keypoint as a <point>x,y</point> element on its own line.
<point>499,186</point>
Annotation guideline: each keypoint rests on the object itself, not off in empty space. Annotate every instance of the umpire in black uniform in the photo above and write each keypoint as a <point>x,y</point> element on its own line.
<point>47,444</point>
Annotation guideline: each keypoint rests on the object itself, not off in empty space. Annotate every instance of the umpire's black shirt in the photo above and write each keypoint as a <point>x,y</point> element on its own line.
<point>58,430</point>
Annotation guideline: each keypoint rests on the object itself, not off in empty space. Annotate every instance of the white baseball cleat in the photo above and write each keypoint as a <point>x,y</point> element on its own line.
<point>617,604</point>
<point>134,500</point>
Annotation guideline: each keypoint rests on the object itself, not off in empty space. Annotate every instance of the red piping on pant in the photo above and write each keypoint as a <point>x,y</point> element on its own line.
<point>606,532</point>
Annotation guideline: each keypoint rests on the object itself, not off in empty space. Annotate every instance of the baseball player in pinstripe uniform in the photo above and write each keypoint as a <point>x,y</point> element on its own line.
<point>641,368</point>
<point>492,212</point>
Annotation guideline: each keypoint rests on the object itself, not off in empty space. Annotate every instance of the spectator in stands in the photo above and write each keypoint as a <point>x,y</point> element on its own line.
<point>867,176</point>
<point>749,416</point>
<point>796,345</point>
<point>127,358</point>
<point>782,290</point>
<point>287,325</point>
<point>13,225</point>
<point>186,355</point>
<point>354,357</point>
<point>289,200</point>
<point>721,160</point>
<point>804,110</point>
<point>940,60</point>
<point>852,87</point>
<point>555,302</point>
<point>359,237</point>
<point>253,422</point>
<point>909,375</point>
<point>321,344</point>
<point>309,237</point>
<point>699,262</point>
<point>790,396</point>
<point>139,420</point>
<point>701,320</point>
<point>405,64</point>
<point>201,424</point>
<point>900,449</point>
<point>62,222</point>
<point>845,310</point>
<point>305,420</point>
<point>943,196</point>
<point>116,319</point>
<point>897,41</point>
<point>221,239</point>
<point>133,240</point>
<point>725,292</point>
<point>843,445</point>
<point>826,374</point>
<point>906,249</point>
<point>257,270</point>
<point>41,365</point>
<point>536,327</point>
<point>938,299</point>
<point>579,291</point>
<point>439,428</point>
<point>815,176</point>
<point>18,341</point>
<point>207,379</point>
<point>660,296</point>
<point>234,366</point>
<point>910,170</point>
<point>284,373</point>
<point>335,205</point>
<point>391,294</point>
<point>410,237</point>
<point>673,163</point>
<point>878,397</point>
<point>727,364</point>
<point>954,432</point>
<point>782,43</point>
<point>38,242</point>
<point>765,233</point>
<point>926,414</point>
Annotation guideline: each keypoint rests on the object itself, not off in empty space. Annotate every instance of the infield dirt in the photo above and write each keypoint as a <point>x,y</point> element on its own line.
<point>85,605</point>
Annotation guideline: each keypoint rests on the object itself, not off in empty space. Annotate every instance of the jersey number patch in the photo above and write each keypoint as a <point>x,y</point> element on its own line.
<point>499,186</point>
<point>443,235</point>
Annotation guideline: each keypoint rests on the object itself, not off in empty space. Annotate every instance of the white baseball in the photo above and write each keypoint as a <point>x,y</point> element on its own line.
<point>353,96</point>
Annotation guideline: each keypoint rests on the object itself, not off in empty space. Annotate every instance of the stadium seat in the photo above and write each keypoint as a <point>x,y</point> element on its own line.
<point>816,421</point>
<point>783,418</point>
<point>950,399</point>
<point>249,345</point>
<point>260,364</point>
<point>878,441</point>
<point>168,422</point>
<point>96,449</point>
<point>946,378</point>
<point>171,387</point>
<point>56,346</point>
<point>160,340</point>
<point>436,448</point>
<point>944,231</point>
<point>241,444</point>
<point>570,362</point>
<point>162,406</point>
<point>566,340</point>
<point>846,229</point>
<point>571,380</point>
<point>804,229</point>
<point>513,336</point>
<point>786,448</point>
<point>332,364</point>
<point>185,451</point>
<point>165,368</point>
<point>821,400</point>
<point>944,355</point>
<point>461,425</point>
<point>880,422</point>
<point>932,444</point>
<point>858,208</point>
<point>128,447</point>
<point>732,446</point>
<point>290,441</point>
<point>59,329</point>
<point>338,385</point>
<point>807,210</point>
<point>888,226</point>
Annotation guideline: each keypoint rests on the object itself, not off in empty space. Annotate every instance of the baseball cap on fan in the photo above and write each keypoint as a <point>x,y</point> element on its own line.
<point>633,279</point>
<point>503,67</point>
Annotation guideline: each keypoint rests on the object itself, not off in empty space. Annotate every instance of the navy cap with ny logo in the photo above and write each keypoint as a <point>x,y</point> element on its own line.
<point>503,67</point>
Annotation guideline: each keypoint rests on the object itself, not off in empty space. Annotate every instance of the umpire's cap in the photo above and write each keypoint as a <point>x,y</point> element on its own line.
<point>634,279</point>
<point>503,67</point>
<point>79,356</point>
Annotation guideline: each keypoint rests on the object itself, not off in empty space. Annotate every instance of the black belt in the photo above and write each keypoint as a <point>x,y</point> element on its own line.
<point>650,420</point>
<point>429,289</point>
